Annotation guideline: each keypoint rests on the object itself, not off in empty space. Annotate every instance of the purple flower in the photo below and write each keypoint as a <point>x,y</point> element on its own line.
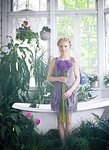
<point>63,66</point>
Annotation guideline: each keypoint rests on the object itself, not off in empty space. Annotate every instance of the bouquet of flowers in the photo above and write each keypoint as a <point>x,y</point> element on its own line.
<point>63,67</point>
<point>24,32</point>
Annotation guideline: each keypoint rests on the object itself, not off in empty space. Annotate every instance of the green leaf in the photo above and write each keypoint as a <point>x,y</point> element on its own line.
<point>13,117</point>
<point>17,129</point>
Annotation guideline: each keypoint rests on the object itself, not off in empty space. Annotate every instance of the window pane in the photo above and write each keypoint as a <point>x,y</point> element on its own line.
<point>82,4</point>
<point>76,4</point>
<point>107,25</point>
<point>38,5</point>
<point>92,4</point>
<point>107,42</point>
<point>107,3</point>
<point>65,28</point>
<point>60,5</point>
<point>18,5</point>
<point>89,55</point>
<point>70,4</point>
<point>88,26</point>
<point>89,44</point>
<point>88,38</point>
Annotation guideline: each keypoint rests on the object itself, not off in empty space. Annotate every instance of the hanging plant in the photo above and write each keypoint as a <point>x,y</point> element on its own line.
<point>45,33</point>
<point>24,32</point>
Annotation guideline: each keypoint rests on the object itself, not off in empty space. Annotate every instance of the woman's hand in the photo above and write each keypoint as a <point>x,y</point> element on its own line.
<point>67,94</point>
<point>62,79</point>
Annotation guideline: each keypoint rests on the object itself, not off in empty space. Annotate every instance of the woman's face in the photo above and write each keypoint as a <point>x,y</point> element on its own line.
<point>64,47</point>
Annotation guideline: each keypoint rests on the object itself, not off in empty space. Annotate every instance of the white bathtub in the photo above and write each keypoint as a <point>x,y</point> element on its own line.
<point>48,118</point>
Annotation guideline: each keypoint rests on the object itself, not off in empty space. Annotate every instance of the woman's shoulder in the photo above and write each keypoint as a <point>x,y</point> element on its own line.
<point>53,60</point>
<point>73,59</point>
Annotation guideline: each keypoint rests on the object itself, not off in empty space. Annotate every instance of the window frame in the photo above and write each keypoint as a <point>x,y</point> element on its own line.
<point>52,13</point>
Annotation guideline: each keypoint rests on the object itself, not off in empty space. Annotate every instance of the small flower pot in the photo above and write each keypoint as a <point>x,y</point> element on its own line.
<point>93,84</point>
<point>45,36</point>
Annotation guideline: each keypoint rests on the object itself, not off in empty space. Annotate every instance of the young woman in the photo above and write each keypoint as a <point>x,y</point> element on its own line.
<point>64,71</point>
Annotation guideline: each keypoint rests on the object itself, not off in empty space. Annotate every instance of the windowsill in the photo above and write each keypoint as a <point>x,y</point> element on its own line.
<point>100,89</point>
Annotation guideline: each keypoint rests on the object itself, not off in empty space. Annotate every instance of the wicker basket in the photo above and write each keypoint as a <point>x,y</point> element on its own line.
<point>45,35</point>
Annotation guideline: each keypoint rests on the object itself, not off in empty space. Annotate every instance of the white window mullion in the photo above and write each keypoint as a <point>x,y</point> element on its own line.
<point>76,37</point>
<point>53,31</point>
<point>4,21</point>
<point>101,42</point>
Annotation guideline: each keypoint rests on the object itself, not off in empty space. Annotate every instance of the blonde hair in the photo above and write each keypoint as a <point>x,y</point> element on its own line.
<point>64,40</point>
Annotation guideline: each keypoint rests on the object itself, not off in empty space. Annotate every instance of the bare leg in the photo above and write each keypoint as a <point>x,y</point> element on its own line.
<point>69,123</point>
<point>61,128</point>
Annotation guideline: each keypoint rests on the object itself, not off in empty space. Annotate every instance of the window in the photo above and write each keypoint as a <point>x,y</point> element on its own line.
<point>65,28</point>
<point>81,30</point>
<point>107,42</point>
<point>76,4</point>
<point>88,33</point>
<point>36,5</point>
<point>35,21</point>
<point>75,19</point>
<point>106,3</point>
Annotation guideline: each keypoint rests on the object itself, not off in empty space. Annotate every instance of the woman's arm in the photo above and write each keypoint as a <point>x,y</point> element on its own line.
<point>77,76</point>
<point>50,72</point>
<point>76,82</point>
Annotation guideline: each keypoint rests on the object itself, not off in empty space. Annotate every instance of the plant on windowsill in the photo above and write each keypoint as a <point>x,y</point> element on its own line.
<point>84,91</point>
<point>106,80</point>
<point>45,33</point>
<point>93,79</point>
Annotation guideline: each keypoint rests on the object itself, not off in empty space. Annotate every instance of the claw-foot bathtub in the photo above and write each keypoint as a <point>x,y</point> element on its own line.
<point>48,118</point>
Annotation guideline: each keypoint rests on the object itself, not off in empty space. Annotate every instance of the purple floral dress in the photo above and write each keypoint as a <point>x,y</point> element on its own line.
<point>56,96</point>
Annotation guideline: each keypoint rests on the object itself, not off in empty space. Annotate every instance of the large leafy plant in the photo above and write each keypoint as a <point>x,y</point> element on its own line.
<point>42,86</point>
<point>16,131</point>
<point>14,71</point>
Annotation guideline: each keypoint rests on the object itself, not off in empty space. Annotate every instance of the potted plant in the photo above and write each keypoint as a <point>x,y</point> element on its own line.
<point>106,80</point>
<point>92,80</point>
<point>85,90</point>
<point>45,33</point>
